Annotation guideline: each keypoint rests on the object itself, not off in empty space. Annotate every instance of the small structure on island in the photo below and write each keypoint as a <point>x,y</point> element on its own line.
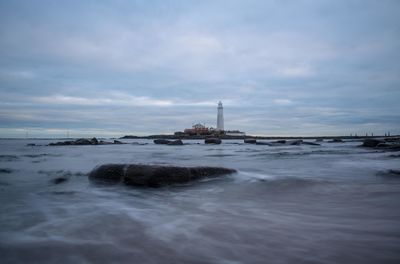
<point>199,129</point>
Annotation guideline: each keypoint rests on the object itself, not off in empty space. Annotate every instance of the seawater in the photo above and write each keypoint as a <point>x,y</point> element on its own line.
<point>334,203</point>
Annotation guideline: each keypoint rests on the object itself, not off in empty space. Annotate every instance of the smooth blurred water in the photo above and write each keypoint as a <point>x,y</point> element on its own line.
<point>334,203</point>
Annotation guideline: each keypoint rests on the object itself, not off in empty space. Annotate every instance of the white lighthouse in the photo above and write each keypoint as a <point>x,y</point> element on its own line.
<point>220,117</point>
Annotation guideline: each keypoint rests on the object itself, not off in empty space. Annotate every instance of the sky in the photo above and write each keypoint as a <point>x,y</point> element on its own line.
<point>112,68</point>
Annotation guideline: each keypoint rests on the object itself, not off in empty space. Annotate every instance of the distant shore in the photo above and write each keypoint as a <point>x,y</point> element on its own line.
<point>201,137</point>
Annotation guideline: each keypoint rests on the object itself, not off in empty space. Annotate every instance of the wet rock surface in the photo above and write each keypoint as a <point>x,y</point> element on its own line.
<point>152,175</point>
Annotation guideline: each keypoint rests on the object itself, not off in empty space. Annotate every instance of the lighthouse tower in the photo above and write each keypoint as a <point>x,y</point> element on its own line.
<point>220,117</point>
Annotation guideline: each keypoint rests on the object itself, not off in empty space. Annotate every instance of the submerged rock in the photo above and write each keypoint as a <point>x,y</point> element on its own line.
<point>250,140</point>
<point>152,175</point>
<point>389,173</point>
<point>59,180</point>
<point>212,141</point>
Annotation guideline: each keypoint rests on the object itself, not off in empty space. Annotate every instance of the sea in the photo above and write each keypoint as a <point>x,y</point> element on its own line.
<point>333,203</point>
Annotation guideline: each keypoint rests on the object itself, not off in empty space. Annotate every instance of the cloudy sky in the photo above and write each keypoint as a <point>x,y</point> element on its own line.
<point>109,68</point>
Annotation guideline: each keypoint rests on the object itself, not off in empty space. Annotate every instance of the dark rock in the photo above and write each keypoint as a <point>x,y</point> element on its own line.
<point>152,175</point>
<point>371,143</point>
<point>212,141</point>
<point>319,140</point>
<point>30,144</point>
<point>383,145</point>
<point>295,142</point>
<point>336,140</point>
<point>118,142</point>
<point>176,142</point>
<point>250,140</point>
<point>82,141</point>
<point>282,141</point>
<point>78,142</point>
<point>310,143</point>
<point>263,143</point>
<point>59,180</point>
<point>390,173</point>
<point>101,142</point>
<point>2,170</point>
<point>161,141</point>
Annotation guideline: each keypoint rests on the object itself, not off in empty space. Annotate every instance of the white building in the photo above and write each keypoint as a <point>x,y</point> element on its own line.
<point>220,117</point>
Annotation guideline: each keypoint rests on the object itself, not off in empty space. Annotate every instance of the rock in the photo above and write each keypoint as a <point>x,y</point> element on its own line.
<point>5,170</point>
<point>30,144</point>
<point>383,145</point>
<point>161,141</point>
<point>78,142</point>
<point>94,141</point>
<point>82,141</point>
<point>263,143</point>
<point>310,143</point>
<point>389,173</point>
<point>282,141</point>
<point>371,143</point>
<point>152,175</point>
<point>212,141</point>
<point>176,142</point>
<point>59,180</point>
<point>295,142</point>
<point>336,140</point>
<point>250,140</point>
<point>118,142</point>
<point>319,140</point>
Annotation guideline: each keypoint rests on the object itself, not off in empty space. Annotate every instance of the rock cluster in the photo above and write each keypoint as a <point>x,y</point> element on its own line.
<point>152,175</point>
<point>84,141</point>
<point>386,144</point>
<point>280,142</point>
<point>177,142</point>
<point>212,141</point>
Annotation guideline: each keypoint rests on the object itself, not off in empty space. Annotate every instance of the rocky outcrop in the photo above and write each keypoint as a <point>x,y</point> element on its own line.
<point>294,142</point>
<point>384,144</point>
<point>371,142</point>
<point>336,140</point>
<point>176,143</point>
<point>212,141</point>
<point>161,141</point>
<point>263,143</point>
<point>250,140</point>
<point>310,143</point>
<point>83,142</point>
<point>152,175</point>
